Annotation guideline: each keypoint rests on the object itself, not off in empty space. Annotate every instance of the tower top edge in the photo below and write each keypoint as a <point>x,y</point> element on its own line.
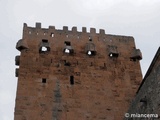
<point>73,29</point>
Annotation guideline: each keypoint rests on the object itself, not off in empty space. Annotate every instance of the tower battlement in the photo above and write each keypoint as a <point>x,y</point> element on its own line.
<point>67,74</point>
<point>51,30</point>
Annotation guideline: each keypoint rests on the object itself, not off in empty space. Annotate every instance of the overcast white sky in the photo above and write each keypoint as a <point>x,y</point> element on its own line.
<point>137,18</point>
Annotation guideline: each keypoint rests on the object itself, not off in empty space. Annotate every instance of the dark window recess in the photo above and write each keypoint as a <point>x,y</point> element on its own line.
<point>72,80</point>
<point>113,52</point>
<point>44,46</point>
<point>67,43</point>
<point>91,53</point>
<point>67,51</point>
<point>67,63</point>
<point>133,59</point>
<point>44,80</point>
<point>44,41</point>
<point>113,55</point>
<point>90,39</point>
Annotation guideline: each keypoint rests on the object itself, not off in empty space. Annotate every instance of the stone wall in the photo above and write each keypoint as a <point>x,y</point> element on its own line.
<point>147,100</point>
<point>71,75</point>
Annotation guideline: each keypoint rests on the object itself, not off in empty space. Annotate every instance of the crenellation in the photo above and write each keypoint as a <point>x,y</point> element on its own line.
<point>65,28</point>
<point>92,31</point>
<point>102,32</point>
<point>74,29</point>
<point>24,25</point>
<point>38,25</point>
<point>84,29</point>
<point>52,28</point>
<point>52,32</point>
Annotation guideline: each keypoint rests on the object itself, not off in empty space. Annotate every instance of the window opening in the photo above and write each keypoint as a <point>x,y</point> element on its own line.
<point>91,53</point>
<point>67,51</point>
<point>90,39</point>
<point>67,35</point>
<point>44,46</point>
<point>111,55</point>
<point>67,43</point>
<point>67,63</point>
<point>68,48</point>
<point>72,80</point>
<point>44,40</point>
<point>44,49</point>
<point>52,34</point>
<point>113,52</point>
<point>44,80</point>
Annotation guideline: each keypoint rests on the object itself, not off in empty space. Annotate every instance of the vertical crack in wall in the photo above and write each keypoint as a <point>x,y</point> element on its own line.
<point>57,101</point>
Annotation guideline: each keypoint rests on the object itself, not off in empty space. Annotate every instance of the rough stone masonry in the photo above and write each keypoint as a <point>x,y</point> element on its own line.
<point>72,75</point>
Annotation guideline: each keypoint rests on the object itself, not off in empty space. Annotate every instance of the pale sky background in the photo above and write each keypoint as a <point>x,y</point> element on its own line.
<point>137,18</point>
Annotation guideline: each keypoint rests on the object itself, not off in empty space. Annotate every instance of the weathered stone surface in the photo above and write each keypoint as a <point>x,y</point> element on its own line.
<point>62,86</point>
<point>147,99</point>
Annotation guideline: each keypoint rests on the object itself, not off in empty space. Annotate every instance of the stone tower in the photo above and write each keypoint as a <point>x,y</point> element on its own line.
<point>71,75</point>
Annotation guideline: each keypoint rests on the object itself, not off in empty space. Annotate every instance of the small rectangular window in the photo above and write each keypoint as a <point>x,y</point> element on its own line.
<point>67,43</point>
<point>72,80</point>
<point>45,40</point>
<point>44,80</point>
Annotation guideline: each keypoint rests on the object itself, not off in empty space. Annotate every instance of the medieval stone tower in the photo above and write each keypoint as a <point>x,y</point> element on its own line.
<point>71,75</point>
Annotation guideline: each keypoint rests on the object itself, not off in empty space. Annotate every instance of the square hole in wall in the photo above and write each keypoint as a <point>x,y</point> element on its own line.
<point>44,80</point>
<point>67,43</point>
<point>44,40</point>
<point>72,80</point>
